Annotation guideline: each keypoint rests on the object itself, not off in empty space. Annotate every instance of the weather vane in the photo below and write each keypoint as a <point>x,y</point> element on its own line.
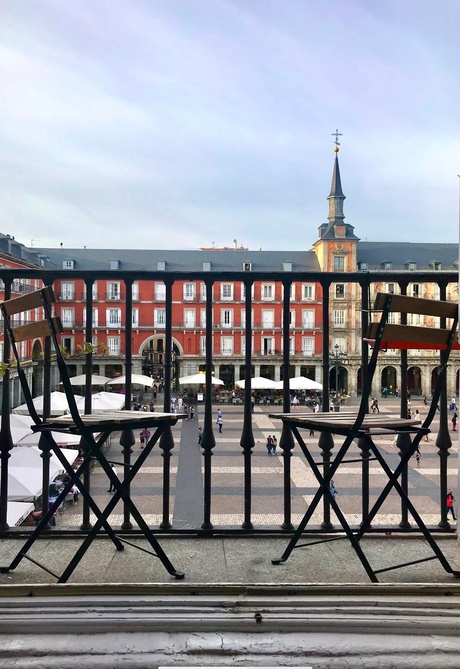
<point>336,134</point>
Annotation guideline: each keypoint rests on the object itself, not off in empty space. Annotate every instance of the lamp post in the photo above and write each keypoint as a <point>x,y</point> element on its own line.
<point>337,358</point>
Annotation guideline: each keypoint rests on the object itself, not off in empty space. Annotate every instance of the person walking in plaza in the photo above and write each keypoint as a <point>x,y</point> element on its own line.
<point>269,445</point>
<point>146,435</point>
<point>112,487</point>
<point>142,438</point>
<point>200,434</point>
<point>333,489</point>
<point>220,422</point>
<point>454,421</point>
<point>274,444</point>
<point>450,504</point>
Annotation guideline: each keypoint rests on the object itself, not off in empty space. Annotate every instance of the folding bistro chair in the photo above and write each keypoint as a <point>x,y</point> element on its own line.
<point>100,423</point>
<point>382,335</point>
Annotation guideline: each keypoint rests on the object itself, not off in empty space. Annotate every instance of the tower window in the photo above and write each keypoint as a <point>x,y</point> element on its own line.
<point>339,263</point>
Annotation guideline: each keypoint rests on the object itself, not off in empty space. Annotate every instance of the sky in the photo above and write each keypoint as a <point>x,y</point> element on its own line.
<point>180,124</point>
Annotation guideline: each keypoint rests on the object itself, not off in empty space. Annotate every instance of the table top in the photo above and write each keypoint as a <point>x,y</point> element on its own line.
<point>345,421</point>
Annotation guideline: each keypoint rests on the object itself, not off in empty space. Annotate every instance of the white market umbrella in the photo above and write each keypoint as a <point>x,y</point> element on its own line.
<point>259,383</point>
<point>195,379</point>
<point>136,379</point>
<point>30,457</point>
<point>61,439</point>
<point>301,383</point>
<point>59,405</point>
<point>19,426</point>
<point>24,483</point>
<point>99,403</point>
<point>96,380</point>
<point>17,512</point>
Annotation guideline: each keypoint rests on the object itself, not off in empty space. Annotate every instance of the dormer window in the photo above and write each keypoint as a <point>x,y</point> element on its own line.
<point>386,265</point>
<point>247,267</point>
<point>161,265</point>
<point>206,266</point>
<point>68,264</point>
<point>287,266</point>
<point>436,265</point>
<point>362,267</point>
<point>114,264</point>
<point>411,265</point>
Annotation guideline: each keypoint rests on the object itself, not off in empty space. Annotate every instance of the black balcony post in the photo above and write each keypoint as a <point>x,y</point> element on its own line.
<point>43,444</point>
<point>86,524</point>
<point>326,440</point>
<point>443,440</point>
<point>286,440</point>
<point>404,439</point>
<point>208,440</point>
<point>127,438</point>
<point>6,440</point>
<point>167,439</point>
<point>247,436</point>
<point>362,443</point>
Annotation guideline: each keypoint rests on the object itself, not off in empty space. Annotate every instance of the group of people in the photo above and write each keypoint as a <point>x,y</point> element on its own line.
<point>271,444</point>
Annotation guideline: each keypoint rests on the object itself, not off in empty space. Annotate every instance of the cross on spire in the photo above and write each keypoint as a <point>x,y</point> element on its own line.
<point>336,134</point>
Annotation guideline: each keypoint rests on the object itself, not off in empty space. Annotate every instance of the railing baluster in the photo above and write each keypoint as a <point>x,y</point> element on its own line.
<point>286,440</point>
<point>127,438</point>
<point>167,440</point>
<point>6,440</point>
<point>404,439</point>
<point>247,436</point>
<point>208,440</point>
<point>443,440</point>
<point>86,524</point>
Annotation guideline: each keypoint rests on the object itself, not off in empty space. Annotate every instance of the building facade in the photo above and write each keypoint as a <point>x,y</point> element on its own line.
<point>336,251</point>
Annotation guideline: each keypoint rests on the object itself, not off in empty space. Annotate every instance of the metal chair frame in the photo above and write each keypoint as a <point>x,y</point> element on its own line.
<point>360,427</point>
<point>86,427</point>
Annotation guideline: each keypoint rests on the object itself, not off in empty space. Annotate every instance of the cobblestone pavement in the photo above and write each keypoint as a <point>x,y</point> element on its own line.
<point>186,507</point>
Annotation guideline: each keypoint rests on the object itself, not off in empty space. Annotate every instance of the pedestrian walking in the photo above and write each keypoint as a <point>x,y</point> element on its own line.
<point>333,489</point>
<point>274,444</point>
<point>220,423</point>
<point>112,487</point>
<point>146,435</point>
<point>269,445</point>
<point>454,421</point>
<point>191,412</point>
<point>142,438</point>
<point>418,457</point>
<point>450,504</point>
<point>200,434</point>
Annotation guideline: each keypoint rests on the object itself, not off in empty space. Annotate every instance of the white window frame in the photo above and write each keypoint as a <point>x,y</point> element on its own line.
<point>308,346</point>
<point>136,290</point>
<point>270,346</point>
<point>226,345</point>
<point>68,290</point>
<point>308,292</point>
<point>226,318</point>
<point>338,318</point>
<point>203,291</point>
<point>136,318</point>
<point>339,264</point>
<point>243,292</point>
<point>189,318</point>
<point>113,317</point>
<point>189,292</point>
<point>159,318</point>
<point>160,292</point>
<point>308,319</point>
<point>113,291</point>
<point>203,344</point>
<point>226,292</point>
<point>68,317</point>
<point>113,344</point>
<point>268,319</point>
<point>71,348</point>
<point>267,292</point>
<point>95,317</point>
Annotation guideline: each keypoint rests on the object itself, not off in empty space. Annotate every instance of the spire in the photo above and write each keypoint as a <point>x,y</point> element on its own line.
<point>336,196</point>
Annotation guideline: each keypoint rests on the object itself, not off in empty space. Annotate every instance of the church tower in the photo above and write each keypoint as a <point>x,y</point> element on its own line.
<point>336,244</point>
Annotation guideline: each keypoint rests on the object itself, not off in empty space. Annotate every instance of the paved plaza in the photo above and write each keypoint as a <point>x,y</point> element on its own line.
<point>186,507</point>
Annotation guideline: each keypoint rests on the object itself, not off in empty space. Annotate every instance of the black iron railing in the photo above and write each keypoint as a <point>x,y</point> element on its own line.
<point>363,281</point>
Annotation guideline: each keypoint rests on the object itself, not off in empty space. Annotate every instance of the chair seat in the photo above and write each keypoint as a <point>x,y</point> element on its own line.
<point>110,420</point>
<point>339,422</point>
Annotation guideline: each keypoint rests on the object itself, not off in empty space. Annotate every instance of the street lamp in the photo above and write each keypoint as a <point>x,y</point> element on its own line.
<point>337,358</point>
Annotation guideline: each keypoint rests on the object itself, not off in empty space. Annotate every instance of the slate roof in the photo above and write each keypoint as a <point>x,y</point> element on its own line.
<point>400,253</point>
<point>146,259</point>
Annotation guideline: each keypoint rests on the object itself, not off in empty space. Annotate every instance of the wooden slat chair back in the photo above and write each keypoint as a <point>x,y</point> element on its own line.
<point>382,335</point>
<point>97,423</point>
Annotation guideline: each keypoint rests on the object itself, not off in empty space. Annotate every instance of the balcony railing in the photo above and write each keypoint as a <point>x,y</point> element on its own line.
<point>249,456</point>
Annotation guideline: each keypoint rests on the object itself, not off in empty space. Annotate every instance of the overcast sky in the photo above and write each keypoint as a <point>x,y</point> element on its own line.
<point>183,123</point>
